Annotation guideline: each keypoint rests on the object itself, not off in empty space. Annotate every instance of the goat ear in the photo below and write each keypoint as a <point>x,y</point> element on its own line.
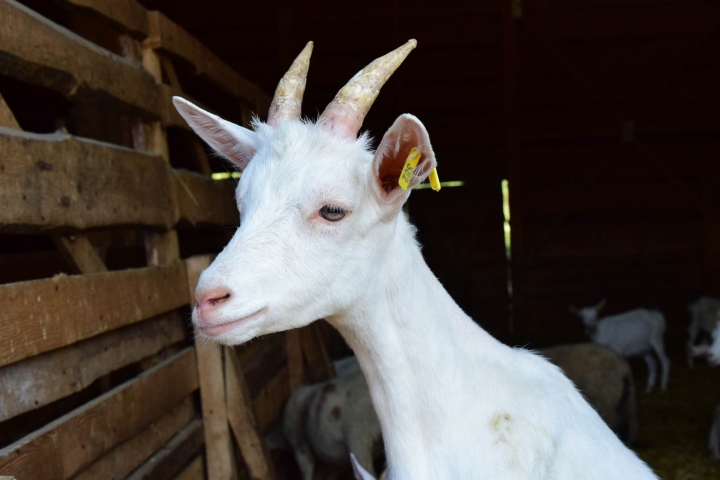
<point>407,132</point>
<point>233,142</point>
<point>358,470</point>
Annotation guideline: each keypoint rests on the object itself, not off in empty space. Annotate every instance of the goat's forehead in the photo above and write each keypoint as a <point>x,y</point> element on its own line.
<point>303,162</point>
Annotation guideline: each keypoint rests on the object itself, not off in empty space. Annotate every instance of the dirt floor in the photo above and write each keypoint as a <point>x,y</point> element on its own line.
<point>674,425</point>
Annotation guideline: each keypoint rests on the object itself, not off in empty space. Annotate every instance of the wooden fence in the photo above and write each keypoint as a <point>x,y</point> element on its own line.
<point>99,373</point>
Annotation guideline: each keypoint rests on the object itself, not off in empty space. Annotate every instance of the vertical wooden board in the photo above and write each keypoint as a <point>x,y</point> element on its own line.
<point>42,379</point>
<point>218,446</point>
<point>243,424</point>
<point>102,423</point>
<point>129,455</point>
<point>41,315</point>
<point>162,248</point>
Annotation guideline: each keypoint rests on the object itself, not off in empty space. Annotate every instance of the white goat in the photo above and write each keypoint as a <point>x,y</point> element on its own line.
<point>703,318</point>
<point>322,236</point>
<point>638,332</point>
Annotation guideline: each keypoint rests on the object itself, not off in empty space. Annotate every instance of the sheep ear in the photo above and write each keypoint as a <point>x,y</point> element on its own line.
<point>600,305</point>
<point>358,470</point>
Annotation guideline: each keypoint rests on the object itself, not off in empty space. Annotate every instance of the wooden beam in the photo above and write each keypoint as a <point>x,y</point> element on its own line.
<point>129,455</point>
<point>167,462</point>
<point>202,200</point>
<point>154,392</point>
<point>218,445</point>
<point>42,315</point>
<point>168,37</point>
<point>129,15</point>
<point>57,181</point>
<point>67,370</point>
<point>161,248</point>
<point>7,119</point>
<point>78,250</point>
<point>55,58</point>
<point>269,404</point>
<point>242,422</point>
<point>194,471</point>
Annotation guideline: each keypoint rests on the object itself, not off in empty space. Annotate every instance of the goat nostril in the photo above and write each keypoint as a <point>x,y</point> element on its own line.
<point>215,301</point>
<point>213,298</point>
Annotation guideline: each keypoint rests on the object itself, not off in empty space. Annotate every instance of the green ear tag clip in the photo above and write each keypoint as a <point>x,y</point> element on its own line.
<point>409,169</point>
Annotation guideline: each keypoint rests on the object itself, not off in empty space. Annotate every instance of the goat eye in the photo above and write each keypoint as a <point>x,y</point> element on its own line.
<point>332,213</point>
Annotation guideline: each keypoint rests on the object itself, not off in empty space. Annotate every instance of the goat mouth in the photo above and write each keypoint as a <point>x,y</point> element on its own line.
<point>214,330</point>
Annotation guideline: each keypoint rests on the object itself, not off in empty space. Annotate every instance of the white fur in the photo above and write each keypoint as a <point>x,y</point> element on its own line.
<point>453,402</point>
<point>638,332</point>
<point>703,318</point>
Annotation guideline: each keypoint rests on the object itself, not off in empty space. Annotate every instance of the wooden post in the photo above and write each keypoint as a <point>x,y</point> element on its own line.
<point>513,160</point>
<point>243,423</point>
<point>218,447</point>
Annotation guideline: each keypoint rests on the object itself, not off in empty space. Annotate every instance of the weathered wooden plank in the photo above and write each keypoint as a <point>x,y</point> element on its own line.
<point>39,380</point>
<point>169,460</point>
<point>194,471</point>
<point>218,446</point>
<point>56,58</point>
<point>242,421</point>
<point>202,200</point>
<point>270,402</point>
<point>43,315</point>
<point>128,15</point>
<point>129,455</point>
<point>56,180</point>
<point>172,39</point>
<point>101,424</point>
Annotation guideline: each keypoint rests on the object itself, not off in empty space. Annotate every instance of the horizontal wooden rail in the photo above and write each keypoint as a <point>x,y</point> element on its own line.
<point>37,381</point>
<point>57,181</point>
<point>56,58</point>
<point>42,315</point>
<point>129,455</point>
<point>128,15</point>
<point>170,38</point>
<point>63,447</point>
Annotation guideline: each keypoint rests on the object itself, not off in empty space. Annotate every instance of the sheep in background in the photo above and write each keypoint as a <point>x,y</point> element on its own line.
<point>606,381</point>
<point>330,420</point>
<point>635,333</point>
<point>703,318</point>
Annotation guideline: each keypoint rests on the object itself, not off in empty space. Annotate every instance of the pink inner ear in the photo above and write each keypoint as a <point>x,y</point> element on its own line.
<point>396,153</point>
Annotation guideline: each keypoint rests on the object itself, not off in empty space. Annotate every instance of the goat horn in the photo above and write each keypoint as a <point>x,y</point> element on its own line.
<point>345,114</point>
<point>287,102</point>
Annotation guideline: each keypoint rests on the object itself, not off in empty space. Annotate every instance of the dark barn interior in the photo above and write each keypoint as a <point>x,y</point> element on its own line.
<point>580,141</point>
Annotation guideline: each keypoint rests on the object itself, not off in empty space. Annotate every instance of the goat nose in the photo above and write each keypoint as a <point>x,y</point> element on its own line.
<point>212,298</point>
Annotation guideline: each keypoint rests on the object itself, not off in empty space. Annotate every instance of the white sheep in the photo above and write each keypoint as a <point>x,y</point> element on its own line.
<point>638,332</point>
<point>322,235</point>
<point>703,318</point>
<point>332,419</point>
<point>605,380</point>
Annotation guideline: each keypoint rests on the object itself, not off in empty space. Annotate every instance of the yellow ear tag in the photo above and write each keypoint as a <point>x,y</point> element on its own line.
<point>434,180</point>
<point>409,168</point>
